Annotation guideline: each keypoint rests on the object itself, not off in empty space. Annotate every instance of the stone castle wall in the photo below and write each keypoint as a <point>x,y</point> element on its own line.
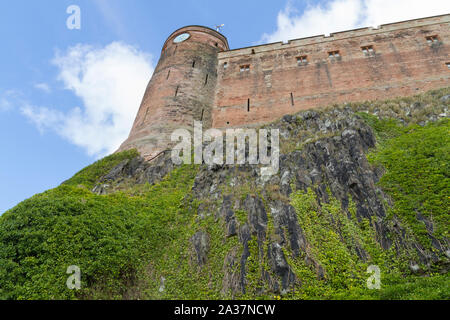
<point>402,63</point>
<point>201,79</point>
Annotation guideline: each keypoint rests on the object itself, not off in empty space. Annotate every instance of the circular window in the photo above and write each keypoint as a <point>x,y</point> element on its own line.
<point>182,37</point>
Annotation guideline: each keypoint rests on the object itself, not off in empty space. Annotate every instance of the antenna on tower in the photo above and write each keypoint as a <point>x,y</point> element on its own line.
<point>219,27</point>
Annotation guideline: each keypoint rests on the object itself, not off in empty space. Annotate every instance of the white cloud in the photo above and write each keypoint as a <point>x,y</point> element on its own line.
<point>8,99</point>
<point>4,104</point>
<point>110,81</point>
<point>340,15</point>
<point>43,86</point>
<point>43,117</point>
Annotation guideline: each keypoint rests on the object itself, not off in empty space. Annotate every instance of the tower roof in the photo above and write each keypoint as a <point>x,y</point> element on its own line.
<point>200,29</point>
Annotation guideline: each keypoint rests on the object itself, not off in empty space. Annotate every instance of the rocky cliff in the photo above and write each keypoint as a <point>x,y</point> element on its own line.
<point>359,184</point>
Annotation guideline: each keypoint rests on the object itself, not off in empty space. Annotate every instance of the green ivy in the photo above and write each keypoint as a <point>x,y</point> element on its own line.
<point>111,238</point>
<point>416,161</point>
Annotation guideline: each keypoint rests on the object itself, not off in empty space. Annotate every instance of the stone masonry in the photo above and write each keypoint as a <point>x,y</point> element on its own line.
<point>202,79</point>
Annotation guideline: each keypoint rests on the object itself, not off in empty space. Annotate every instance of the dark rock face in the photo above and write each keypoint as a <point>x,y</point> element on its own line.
<point>136,171</point>
<point>337,162</point>
<point>445,98</point>
<point>280,266</point>
<point>232,280</point>
<point>333,158</point>
<point>227,214</point>
<point>257,217</point>
<point>200,243</point>
<point>285,218</point>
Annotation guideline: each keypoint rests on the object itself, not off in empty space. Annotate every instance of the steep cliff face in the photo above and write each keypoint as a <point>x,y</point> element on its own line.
<point>359,185</point>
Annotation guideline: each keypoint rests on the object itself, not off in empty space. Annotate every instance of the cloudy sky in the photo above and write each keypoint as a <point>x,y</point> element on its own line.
<point>69,97</point>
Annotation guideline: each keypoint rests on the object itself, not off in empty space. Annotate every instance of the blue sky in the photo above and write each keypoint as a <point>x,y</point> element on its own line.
<point>68,97</point>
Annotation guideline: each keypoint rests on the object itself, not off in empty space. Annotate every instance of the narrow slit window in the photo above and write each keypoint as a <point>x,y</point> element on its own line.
<point>367,50</point>
<point>245,68</point>
<point>145,117</point>
<point>193,64</point>
<point>206,80</point>
<point>302,60</point>
<point>168,74</point>
<point>176,91</point>
<point>201,117</point>
<point>175,51</point>
<point>248,105</point>
<point>334,54</point>
<point>292,99</point>
<point>432,39</point>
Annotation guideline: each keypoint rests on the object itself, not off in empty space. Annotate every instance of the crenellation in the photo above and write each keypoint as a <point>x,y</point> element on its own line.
<point>342,35</point>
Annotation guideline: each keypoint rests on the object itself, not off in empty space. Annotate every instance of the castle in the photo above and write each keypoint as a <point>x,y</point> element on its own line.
<point>199,78</point>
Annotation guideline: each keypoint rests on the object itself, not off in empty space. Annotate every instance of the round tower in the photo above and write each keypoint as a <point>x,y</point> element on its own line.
<point>180,91</point>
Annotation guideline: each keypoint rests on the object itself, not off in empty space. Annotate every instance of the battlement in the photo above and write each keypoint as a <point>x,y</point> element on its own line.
<point>199,78</point>
<point>360,32</point>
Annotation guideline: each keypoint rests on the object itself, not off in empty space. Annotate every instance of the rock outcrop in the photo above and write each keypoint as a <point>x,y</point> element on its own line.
<point>325,151</point>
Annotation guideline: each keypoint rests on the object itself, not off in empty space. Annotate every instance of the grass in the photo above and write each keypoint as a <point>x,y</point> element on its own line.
<point>417,164</point>
<point>89,175</point>
<point>111,238</point>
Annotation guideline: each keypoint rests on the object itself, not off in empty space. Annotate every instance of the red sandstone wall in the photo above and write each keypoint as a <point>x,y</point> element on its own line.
<point>181,90</point>
<point>403,64</point>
